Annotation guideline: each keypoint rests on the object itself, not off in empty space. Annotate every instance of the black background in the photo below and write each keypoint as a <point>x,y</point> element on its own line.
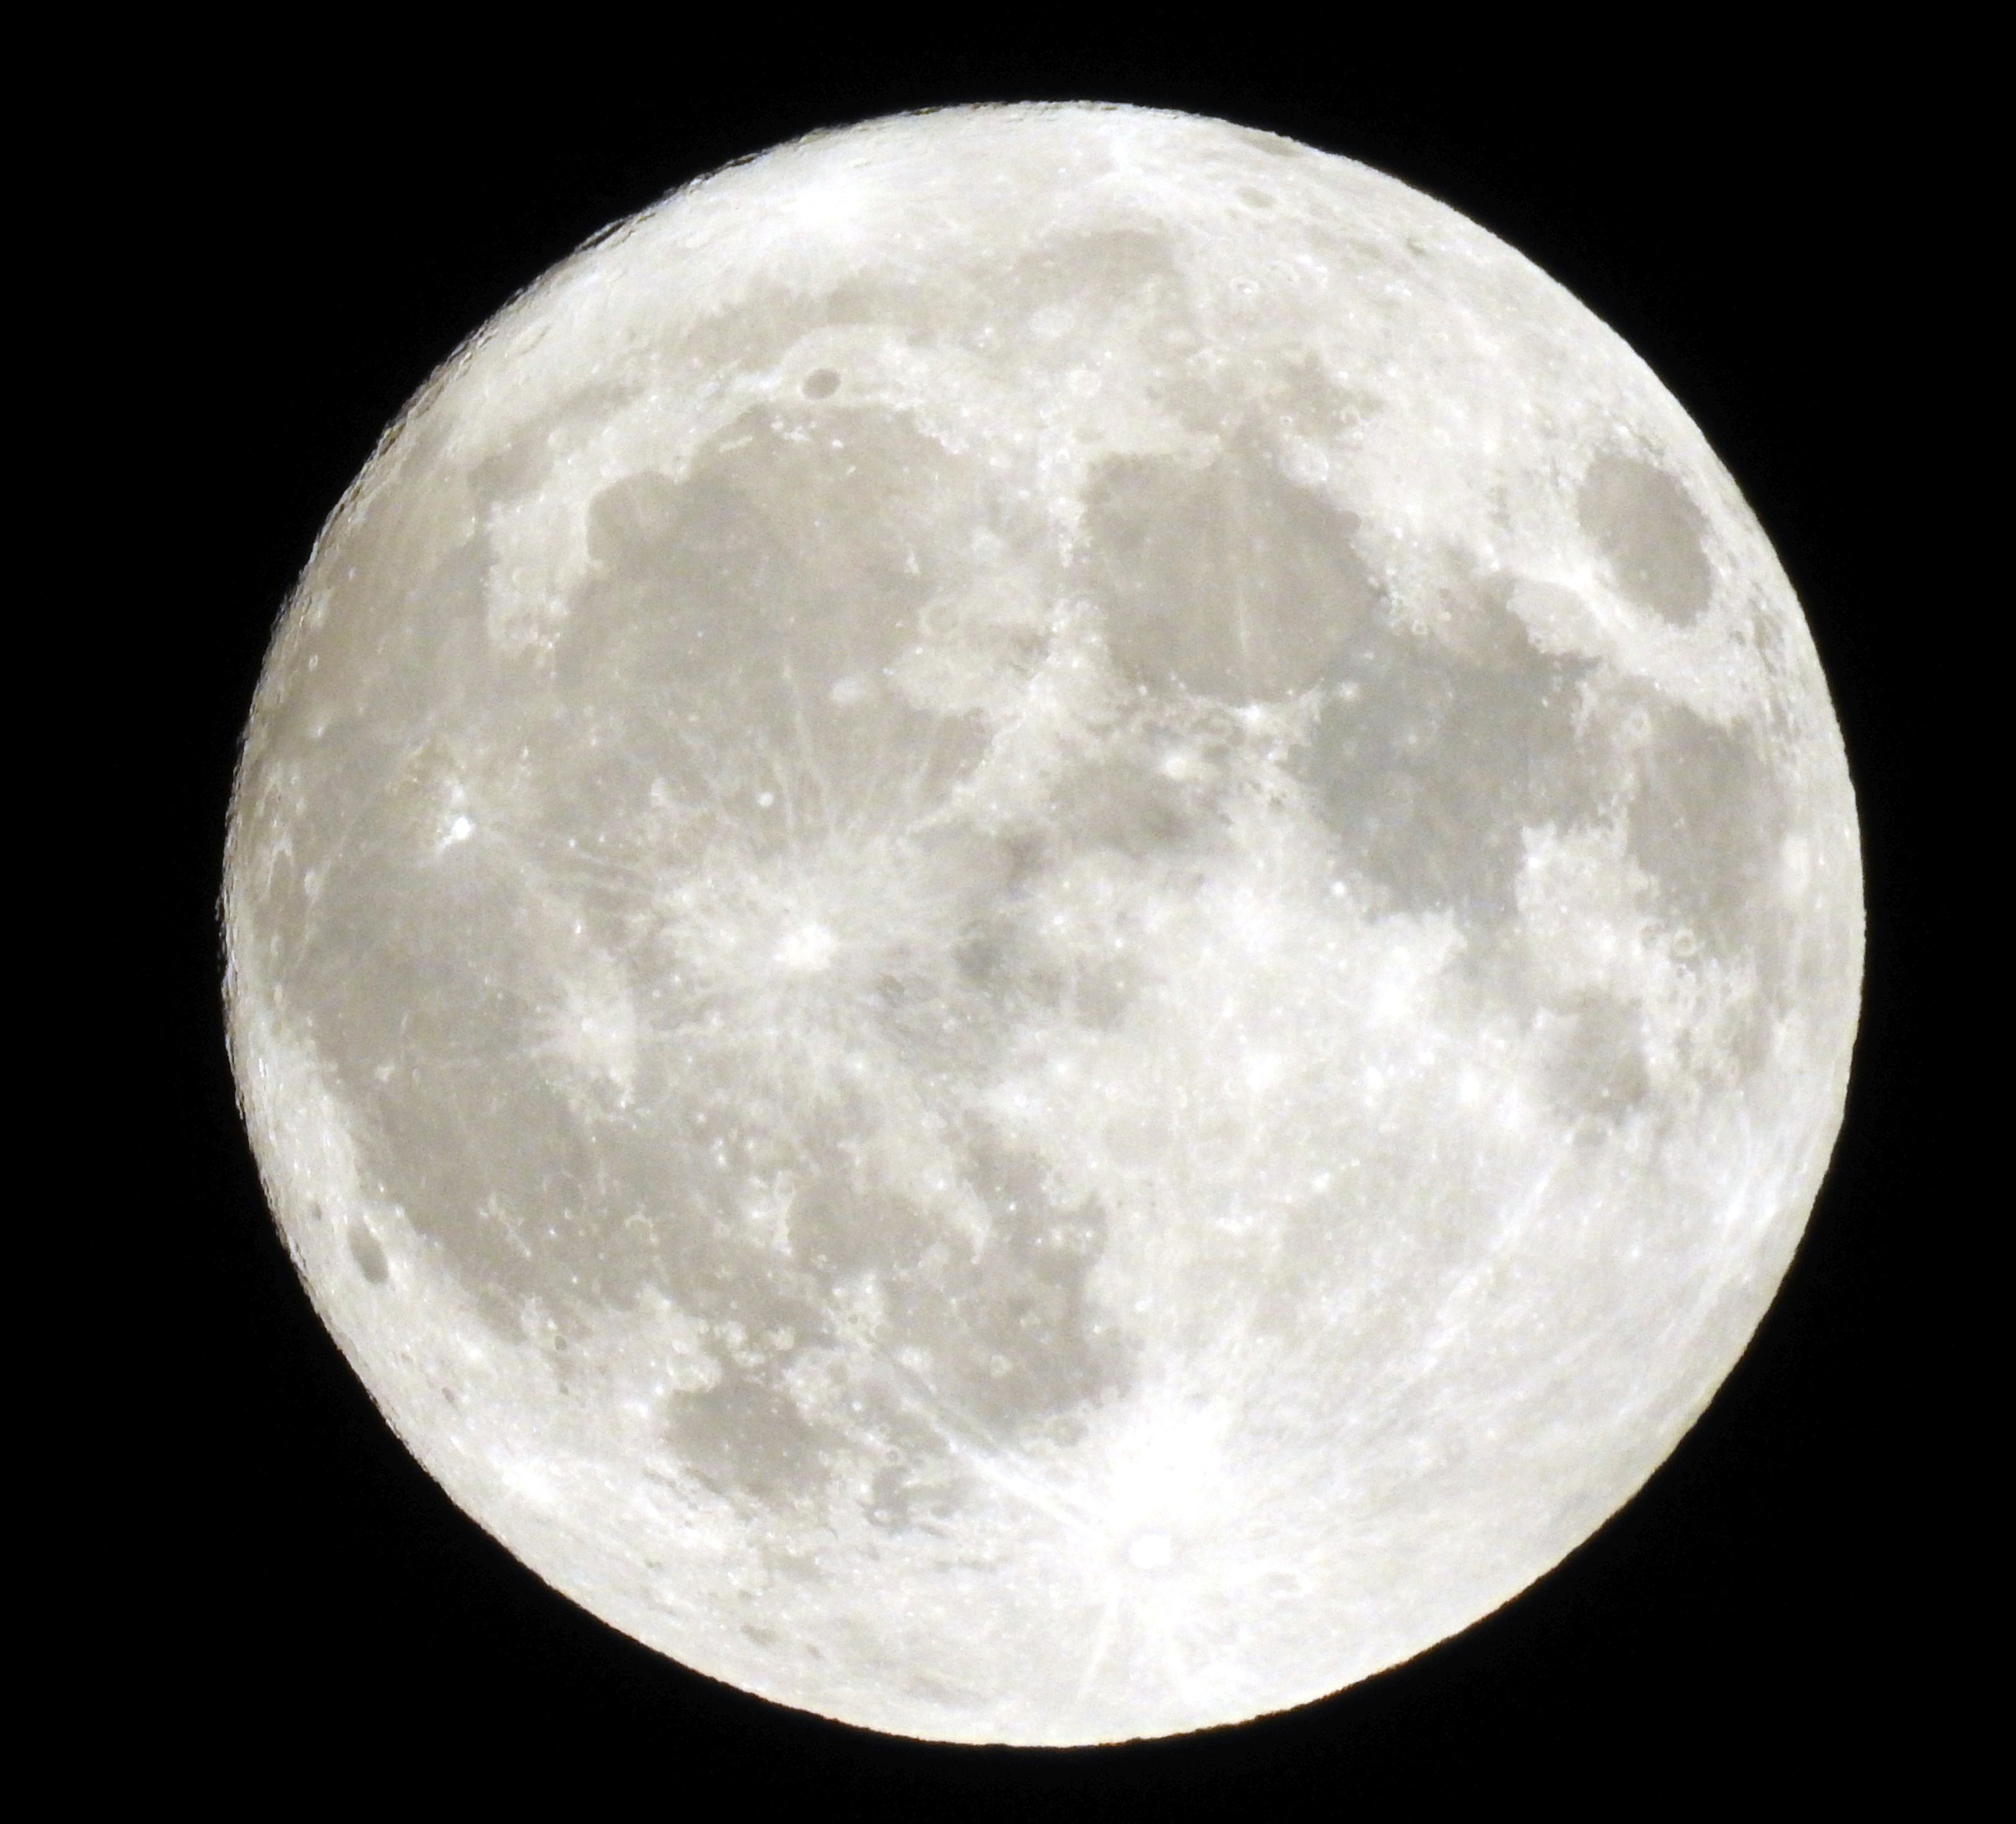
<point>330,231</point>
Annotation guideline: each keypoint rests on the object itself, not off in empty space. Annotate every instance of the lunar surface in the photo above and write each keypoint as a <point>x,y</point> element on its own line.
<point>1043,924</point>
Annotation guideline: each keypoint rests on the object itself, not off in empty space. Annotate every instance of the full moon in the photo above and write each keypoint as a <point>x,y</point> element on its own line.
<point>1043,924</point>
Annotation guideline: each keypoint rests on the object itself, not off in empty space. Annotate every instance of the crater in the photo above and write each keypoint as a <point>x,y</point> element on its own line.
<point>365,1250</point>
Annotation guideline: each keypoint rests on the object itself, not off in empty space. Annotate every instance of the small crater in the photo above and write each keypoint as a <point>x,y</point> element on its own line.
<point>1256,199</point>
<point>369,1255</point>
<point>822,383</point>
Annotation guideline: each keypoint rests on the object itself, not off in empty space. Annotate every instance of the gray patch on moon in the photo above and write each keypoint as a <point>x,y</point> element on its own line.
<point>907,1496</point>
<point>369,1256</point>
<point>1431,758</point>
<point>704,652</point>
<point>1707,821</point>
<point>745,1435</point>
<point>1648,527</point>
<point>1120,801</point>
<point>519,463</point>
<point>532,1203</point>
<point>1596,1058</point>
<point>1272,144</point>
<point>1101,275</point>
<point>1230,582</point>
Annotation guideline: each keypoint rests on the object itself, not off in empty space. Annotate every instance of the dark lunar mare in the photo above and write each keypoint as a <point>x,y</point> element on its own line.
<point>696,669</point>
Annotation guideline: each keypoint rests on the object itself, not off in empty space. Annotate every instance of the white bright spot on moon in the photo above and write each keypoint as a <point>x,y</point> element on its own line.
<point>1151,1551</point>
<point>1164,943</point>
<point>807,949</point>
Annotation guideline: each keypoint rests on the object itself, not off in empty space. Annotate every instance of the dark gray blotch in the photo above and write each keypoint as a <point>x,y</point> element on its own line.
<point>1429,762</point>
<point>1707,823</point>
<point>1229,581</point>
<point>369,1256</point>
<point>744,1435</point>
<point>1648,527</point>
<point>915,1493</point>
<point>1596,1066</point>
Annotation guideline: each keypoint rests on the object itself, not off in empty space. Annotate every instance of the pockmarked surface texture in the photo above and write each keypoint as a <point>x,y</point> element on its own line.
<point>1043,925</point>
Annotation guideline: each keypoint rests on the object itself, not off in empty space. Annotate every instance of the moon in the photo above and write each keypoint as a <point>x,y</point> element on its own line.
<point>1042,925</point>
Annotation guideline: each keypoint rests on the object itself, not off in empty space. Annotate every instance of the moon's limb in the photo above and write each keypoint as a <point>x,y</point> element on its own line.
<point>1043,925</point>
